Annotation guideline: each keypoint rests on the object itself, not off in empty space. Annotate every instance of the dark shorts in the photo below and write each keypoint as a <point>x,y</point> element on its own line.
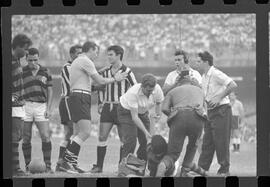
<point>108,116</point>
<point>64,110</point>
<point>235,122</point>
<point>80,106</point>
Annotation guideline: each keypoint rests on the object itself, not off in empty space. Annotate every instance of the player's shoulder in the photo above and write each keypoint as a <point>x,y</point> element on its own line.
<point>104,69</point>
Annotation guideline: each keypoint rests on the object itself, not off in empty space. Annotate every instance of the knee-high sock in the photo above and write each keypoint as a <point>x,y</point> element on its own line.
<point>120,154</point>
<point>101,152</point>
<point>15,156</point>
<point>27,149</point>
<point>47,150</point>
<point>62,149</point>
<point>72,151</point>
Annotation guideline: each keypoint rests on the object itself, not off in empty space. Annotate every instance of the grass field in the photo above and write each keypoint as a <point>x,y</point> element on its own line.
<point>242,164</point>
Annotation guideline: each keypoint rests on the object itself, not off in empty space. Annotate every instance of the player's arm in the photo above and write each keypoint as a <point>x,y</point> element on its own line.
<point>166,106</point>
<point>138,122</point>
<point>50,96</point>
<point>230,84</point>
<point>101,80</point>
<point>242,114</point>
<point>159,97</point>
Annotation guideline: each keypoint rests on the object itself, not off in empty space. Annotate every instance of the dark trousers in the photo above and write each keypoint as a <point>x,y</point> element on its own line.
<point>217,138</point>
<point>185,123</point>
<point>130,132</point>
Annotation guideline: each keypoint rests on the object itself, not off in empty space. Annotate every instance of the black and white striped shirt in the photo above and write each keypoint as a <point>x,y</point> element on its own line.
<point>113,91</point>
<point>65,83</point>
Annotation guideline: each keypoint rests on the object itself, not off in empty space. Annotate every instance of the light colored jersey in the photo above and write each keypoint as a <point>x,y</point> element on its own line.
<point>81,71</point>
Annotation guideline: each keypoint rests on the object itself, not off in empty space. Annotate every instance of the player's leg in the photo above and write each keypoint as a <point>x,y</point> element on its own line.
<point>68,129</point>
<point>222,130</point>
<point>177,134</point>
<point>27,133</point>
<point>46,146</point>
<point>121,143</point>
<point>237,139</point>
<point>128,131</point>
<point>80,108</point>
<point>26,144</point>
<point>141,152</point>
<point>17,125</point>
<point>194,130</point>
<point>104,130</point>
<point>208,147</point>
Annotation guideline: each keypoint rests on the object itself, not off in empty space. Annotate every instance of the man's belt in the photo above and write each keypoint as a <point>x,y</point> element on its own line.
<point>81,91</point>
<point>200,111</point>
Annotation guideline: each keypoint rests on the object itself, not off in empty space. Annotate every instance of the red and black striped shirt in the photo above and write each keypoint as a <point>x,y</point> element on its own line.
<point>35,86</point>
<point>17,83</point>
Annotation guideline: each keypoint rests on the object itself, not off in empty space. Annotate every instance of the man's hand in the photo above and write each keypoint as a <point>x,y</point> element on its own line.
<point>148,137</point>
<point>214,101</point>
<point>47,113</point>
<point>156,117</point>
<point>100,106</point>
<point>120,76</point>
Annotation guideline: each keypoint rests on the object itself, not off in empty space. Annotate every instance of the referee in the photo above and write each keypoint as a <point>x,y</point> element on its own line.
<point>109,99</point>
<point>82,73</point>
<point>63,105</point>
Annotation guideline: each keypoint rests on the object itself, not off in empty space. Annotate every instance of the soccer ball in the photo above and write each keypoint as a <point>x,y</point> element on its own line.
<point>37,166</point>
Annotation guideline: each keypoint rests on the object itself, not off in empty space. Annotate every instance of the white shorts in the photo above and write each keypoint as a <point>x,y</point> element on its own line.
<point>35,111</point>
<point>18,112</point>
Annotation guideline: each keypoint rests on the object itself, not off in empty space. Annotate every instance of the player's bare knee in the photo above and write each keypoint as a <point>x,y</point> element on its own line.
<point>102,138</point>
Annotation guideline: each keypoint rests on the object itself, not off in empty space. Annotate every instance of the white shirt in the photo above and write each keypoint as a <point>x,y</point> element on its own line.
<point>214,82</point>
<point>134,98</point>
<point>81,70</point>
<point>171,77</point>
<point>237,108</point>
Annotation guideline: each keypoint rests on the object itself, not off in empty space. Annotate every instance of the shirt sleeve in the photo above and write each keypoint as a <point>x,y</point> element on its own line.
<point>159,96</point>
<point>222,78</point>
<point>131,78</point>
<point>88,67</point>
<point>132,101</point>
<point>169,79</point>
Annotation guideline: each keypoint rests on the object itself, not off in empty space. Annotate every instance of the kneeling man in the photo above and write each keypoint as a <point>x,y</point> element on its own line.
<point>184,106</point>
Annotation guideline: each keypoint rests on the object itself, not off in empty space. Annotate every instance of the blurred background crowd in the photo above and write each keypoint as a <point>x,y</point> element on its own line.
<point>149,41</point>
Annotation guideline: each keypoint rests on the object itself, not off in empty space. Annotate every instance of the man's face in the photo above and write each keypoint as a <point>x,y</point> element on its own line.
<point>112,57</point>
<point>20,52</point>
<point>200,65</point>
<point>75,54</point>
<point>179,61</point>
<point>32,61</point>
<point>232,96</point>
<point>148,90</point>
<point>94,53</point>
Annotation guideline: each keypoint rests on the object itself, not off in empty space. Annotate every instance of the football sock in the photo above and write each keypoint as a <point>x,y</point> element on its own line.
<point>62,149</point>
<point>72,151</point>
<point>198,169</point>
<point>101,151</point>
<point>27,149</point>
<point>47,150</point>
<point>120,153</point>
<point>15,158</point>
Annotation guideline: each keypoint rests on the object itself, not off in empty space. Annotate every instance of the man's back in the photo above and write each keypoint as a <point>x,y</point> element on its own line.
<point>186,95</point>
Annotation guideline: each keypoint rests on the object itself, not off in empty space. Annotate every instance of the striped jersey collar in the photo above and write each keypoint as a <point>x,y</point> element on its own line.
<point>123,67</point>
<point>41,68</point>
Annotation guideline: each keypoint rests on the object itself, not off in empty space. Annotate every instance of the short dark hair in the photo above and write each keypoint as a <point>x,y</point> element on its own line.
<point>89,45</point>
<point>20,40</point>
<point>149,80</point>
<point>117,49</point>
<point>33,51</point>
<point>188,80</point>
<point>182,52</point>
<point>73,48</point>
<point>206,56</point>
